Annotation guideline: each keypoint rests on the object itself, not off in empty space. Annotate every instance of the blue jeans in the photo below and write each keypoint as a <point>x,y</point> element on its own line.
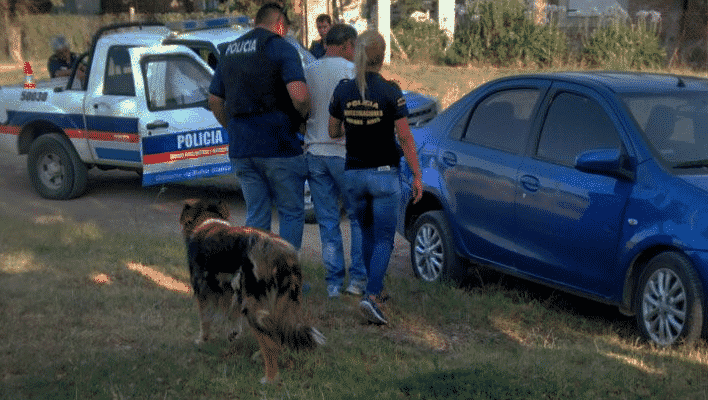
<point>274,181</point>
<point>326,178</point>
<point>374,196</point>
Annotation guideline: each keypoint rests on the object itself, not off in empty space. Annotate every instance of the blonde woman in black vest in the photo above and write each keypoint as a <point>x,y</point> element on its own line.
<point>371,113</point>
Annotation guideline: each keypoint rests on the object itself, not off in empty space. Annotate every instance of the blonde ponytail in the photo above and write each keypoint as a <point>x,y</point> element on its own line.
<point>368,56</point>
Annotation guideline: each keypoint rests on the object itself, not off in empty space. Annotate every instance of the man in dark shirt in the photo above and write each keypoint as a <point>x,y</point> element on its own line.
<point>61,61</point>
<point>259,94</point>
<point>317,48</point>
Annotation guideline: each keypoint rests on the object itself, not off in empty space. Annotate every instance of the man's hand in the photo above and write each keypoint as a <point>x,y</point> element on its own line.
<point>217,105</point>
<point>300,95</point>
<point>417,189</point>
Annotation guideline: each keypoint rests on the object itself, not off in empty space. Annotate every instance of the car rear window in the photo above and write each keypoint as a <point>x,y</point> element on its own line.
<point>503,120</point>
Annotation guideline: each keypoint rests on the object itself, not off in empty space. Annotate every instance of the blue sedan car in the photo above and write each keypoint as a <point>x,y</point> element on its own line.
<point>592,182</point>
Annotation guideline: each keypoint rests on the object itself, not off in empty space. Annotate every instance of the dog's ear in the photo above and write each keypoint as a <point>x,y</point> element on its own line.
<point>222,209</point>
<point>186,211</point>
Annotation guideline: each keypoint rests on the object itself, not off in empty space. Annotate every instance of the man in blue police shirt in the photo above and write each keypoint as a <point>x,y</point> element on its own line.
<point>259,94</point>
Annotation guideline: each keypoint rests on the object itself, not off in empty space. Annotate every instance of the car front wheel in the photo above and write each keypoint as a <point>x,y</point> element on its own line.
<point>433,254</point>
<point>55,169</point>
<point>669,301</point>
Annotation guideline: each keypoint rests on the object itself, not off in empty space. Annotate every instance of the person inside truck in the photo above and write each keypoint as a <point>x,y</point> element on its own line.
<point>62,60</point>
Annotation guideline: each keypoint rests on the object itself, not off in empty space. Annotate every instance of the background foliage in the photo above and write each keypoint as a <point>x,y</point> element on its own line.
<point>499,33</point>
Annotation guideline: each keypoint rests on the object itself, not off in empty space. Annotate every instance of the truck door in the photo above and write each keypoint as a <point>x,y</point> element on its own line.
<point>111,112</point>
<point>180,138</point>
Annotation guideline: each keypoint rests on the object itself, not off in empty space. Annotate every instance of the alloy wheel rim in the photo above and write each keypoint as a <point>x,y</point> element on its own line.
<point>429,252</point>
<point>664,306</point>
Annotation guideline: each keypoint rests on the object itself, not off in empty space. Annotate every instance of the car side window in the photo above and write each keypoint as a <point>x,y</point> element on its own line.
<point>502,121</point>
<point>175,82</point>
<point>118,79</point>
<point>575,124</point>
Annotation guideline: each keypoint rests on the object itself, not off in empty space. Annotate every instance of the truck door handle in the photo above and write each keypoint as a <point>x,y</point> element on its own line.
<point>157,124</point>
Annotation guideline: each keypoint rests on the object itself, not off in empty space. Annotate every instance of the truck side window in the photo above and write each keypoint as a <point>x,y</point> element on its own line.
<point>174,82</point>
<point>118,79</point>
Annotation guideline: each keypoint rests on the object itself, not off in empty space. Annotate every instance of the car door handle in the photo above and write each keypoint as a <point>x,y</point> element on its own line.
<point>157,124</point>
<point>530,183</point>
<point>449,158</point>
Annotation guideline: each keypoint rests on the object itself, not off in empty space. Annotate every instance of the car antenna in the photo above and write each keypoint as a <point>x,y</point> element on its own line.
<point>680,82</point>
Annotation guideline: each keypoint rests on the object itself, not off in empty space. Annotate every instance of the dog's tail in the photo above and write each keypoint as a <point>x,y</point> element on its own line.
<point>303,338</point>
<point>283,323</point>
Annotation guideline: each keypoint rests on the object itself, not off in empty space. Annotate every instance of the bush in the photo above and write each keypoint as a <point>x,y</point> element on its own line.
<point>499,32</point>
<point>420,41</point>
<point>621,46</point>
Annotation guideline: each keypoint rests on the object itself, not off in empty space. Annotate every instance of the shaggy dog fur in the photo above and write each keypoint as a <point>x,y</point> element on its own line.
<point>246,272</point>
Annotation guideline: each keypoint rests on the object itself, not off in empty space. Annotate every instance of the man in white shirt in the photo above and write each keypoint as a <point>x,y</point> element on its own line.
<point>325,160</point>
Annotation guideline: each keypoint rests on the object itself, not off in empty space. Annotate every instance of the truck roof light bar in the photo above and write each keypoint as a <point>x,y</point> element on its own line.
<point>223,22</point>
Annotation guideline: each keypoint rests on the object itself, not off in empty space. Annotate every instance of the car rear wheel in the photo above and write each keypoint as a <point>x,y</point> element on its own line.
<point>433,254</point>
<point>55,169</point>
<point>669,303</point>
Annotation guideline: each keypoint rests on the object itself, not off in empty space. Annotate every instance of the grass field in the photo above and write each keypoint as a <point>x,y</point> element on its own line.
<point>92,314</point>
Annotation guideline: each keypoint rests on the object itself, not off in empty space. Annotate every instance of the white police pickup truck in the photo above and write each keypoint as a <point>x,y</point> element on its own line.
<point>206,37</point>
<point>142,106</point>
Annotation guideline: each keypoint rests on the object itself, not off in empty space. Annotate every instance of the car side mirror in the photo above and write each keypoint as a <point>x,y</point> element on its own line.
<point>611,162</point>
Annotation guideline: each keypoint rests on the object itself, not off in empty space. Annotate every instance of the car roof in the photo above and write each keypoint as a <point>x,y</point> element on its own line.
<point>216,36</point>
<point>210,30</point>
<point>628,82</point>
<point>147,35</point>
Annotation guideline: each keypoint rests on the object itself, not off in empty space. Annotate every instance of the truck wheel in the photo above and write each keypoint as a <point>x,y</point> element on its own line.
<point>433,254</point>
<point>669,301</point>
<point>55,169</point>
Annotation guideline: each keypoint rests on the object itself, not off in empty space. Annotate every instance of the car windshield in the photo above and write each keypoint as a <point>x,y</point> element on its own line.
<point>675,125</point>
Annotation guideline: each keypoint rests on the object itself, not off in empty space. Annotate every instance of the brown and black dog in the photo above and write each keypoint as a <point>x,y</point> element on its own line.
<point>246,272</point>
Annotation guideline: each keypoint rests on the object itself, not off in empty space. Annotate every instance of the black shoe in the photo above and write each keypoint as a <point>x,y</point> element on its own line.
<point>371,312</point>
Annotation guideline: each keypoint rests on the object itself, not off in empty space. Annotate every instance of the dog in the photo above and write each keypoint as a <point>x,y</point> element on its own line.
<point>246,273</point>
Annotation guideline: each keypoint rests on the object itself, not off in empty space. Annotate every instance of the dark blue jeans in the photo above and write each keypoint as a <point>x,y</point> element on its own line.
<point>327,182</point>
<point>274,181</point>
<point>375,195</point>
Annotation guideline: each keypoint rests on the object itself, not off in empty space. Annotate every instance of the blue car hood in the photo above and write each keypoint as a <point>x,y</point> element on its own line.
<point>699,181</point>
<point>415,100</point>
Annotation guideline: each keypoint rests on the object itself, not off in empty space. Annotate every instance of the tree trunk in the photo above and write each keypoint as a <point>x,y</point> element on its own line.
<point>13,31</point>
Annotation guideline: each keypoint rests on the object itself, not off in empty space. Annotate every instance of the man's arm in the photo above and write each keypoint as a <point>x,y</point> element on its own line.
<point>335,128</point>
<point>217,105</point>
<point>300,95</point>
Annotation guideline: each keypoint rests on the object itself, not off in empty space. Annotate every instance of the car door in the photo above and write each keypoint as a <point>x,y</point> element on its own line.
<point>180,138</point>
<point>111,113</point>
<point>569,222</point>
<point>480,163</point>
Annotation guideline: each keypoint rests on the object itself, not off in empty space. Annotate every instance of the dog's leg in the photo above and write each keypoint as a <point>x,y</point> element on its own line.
<point>237,330</point>
<point>270,351</point>
<point>205,316</point>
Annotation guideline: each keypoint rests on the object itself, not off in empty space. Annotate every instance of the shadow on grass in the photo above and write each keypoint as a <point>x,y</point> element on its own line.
<point>481,382</point>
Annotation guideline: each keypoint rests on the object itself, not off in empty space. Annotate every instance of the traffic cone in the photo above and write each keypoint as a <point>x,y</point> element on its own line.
<point>29,77</point>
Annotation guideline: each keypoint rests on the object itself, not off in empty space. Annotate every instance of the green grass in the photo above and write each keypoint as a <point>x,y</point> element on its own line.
<point>79,322</point>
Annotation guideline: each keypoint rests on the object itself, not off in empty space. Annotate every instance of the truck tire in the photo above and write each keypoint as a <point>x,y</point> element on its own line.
<point>55,169</point>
